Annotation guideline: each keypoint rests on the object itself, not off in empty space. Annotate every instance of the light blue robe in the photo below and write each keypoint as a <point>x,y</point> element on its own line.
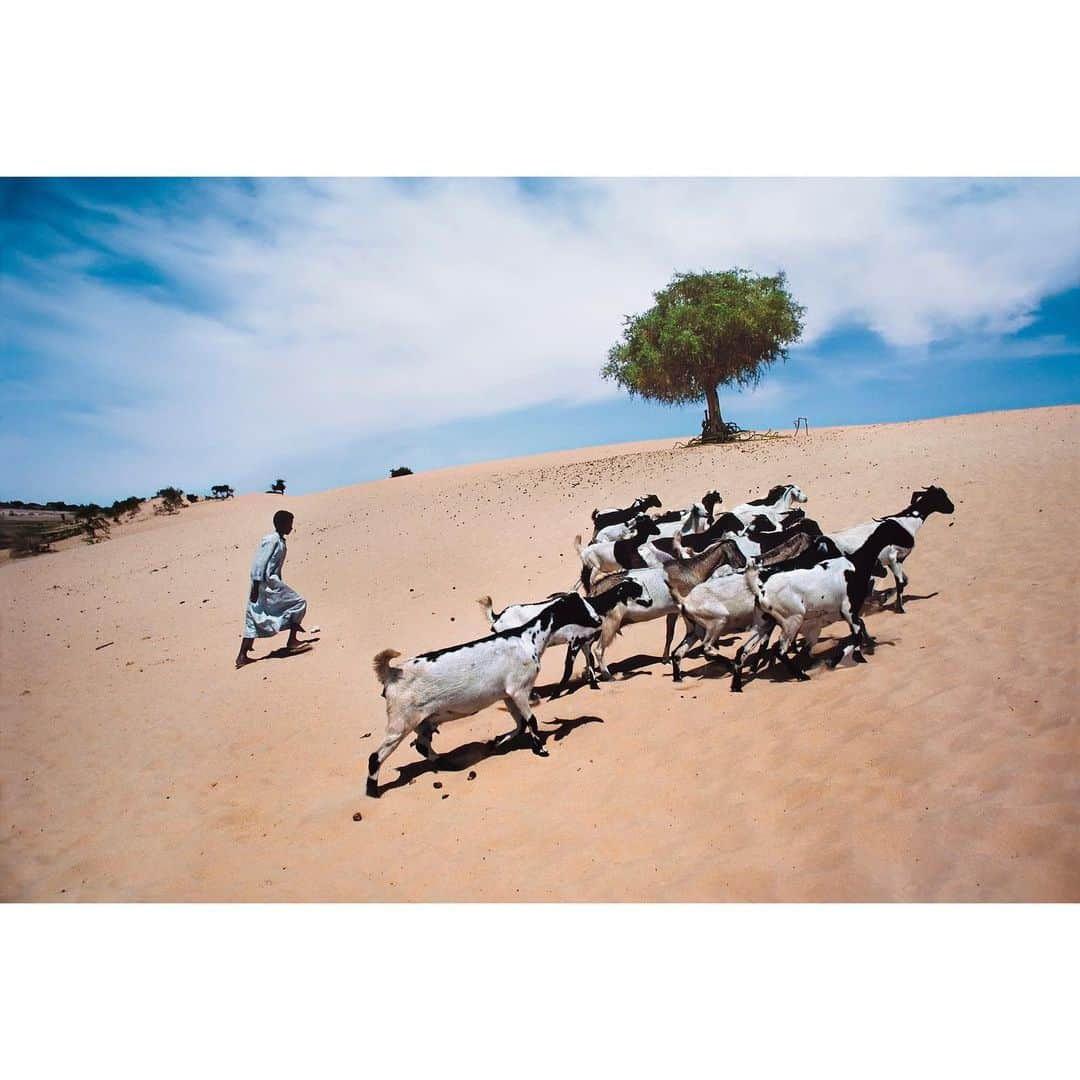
<point>278,607</point>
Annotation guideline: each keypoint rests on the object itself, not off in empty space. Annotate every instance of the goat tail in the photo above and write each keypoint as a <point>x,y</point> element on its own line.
<point>383,671</point>
<point>753,580</point>
<point>485,603</point>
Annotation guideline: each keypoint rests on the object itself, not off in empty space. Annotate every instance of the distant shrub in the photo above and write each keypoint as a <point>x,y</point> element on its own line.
<point>192,498</point>
<point>91,519</point>
<point>129,506</point>
<point>221,491</point>
<point>401,470</point>
<point>277,487</point>
<point>172,499</point>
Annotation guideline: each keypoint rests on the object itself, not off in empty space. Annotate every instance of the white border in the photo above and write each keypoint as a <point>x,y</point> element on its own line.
<point>541,990</point>
<point>560,89</point>
<point>838,87</point>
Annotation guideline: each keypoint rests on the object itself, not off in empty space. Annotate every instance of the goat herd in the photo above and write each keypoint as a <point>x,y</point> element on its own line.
<point>759,567</point>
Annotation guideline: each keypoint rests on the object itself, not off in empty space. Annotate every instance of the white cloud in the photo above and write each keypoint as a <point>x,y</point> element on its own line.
<point>363,307</point>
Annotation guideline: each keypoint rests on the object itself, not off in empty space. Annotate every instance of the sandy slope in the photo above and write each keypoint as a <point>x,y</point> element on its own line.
<point>946,768</point>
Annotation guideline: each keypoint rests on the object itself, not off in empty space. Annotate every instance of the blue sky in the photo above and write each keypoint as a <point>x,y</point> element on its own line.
<point>185,332</point>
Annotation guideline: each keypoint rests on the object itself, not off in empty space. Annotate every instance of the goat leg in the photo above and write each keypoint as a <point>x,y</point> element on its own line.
<point>785,658</point>
<point>425,732</point>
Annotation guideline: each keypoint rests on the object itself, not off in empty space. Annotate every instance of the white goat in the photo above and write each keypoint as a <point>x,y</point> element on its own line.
<point>428,690</point>
<point>723,604</point>
<point>720,605</point>
<point>806,601</point>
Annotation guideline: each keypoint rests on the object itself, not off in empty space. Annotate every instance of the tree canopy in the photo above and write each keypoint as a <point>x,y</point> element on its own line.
<point>705,331</point>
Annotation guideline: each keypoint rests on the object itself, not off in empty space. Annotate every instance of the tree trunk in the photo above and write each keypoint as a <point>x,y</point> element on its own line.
<point>713,420</point>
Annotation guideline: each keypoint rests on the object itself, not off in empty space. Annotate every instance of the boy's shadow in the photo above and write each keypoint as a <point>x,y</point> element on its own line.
<point>278,654</point>
<point>470,754</point>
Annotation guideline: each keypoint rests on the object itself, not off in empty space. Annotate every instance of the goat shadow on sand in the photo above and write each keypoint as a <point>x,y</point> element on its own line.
<point>774,670</point>
<point>887,597</point>
<point>470,754</point>
<point>624,669</point>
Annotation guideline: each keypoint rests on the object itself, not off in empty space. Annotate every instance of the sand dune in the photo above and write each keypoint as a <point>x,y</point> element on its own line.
<point>947,768</point>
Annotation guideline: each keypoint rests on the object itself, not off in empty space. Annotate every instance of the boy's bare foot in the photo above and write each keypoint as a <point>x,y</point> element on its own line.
<point>243,659</point>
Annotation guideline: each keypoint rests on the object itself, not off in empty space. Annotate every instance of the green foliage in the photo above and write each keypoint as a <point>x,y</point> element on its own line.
<point>705,331</point>
<point>401,470</point>
<point>192,498</point>
<point>129,506</point>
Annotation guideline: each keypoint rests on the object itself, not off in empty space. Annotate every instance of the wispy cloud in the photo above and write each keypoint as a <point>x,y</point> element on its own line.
<point>203,332</point>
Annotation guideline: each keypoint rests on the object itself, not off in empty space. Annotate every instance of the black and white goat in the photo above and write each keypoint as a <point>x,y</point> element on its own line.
<point>772,506</point>
<point>428,690</point>
<point>753,543</point>
<point>626,591</point>
<point>660,604</point>
<point>923,503</point>
<point>693,519</point>
<point>709,502</point>
<point>805,601</point>
<point>629,554</point>
<point>727,526</point>
<point>687,521</point>
<point>601,519</point>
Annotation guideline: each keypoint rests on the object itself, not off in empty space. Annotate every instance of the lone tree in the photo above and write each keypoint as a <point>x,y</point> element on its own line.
<point>401,470</point>
<point>277,487</point>
<point>706,331</point>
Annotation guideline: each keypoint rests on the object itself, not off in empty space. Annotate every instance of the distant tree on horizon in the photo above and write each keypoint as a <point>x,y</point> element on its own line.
<point>277,487</point>
<point>221,491</point>
<point>401,470</point>
<point>704,331</point>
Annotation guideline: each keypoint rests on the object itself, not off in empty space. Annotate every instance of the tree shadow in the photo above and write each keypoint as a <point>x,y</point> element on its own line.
<point>470,754</point>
